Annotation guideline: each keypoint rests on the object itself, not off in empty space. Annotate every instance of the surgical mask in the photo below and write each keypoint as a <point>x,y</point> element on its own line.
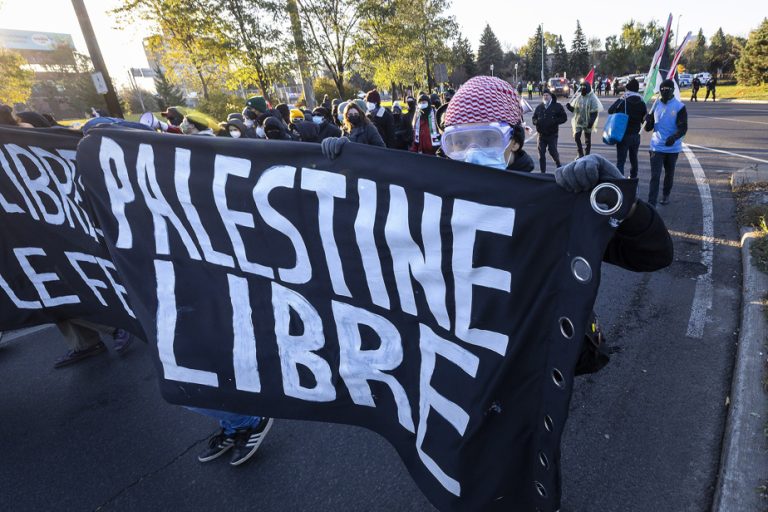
<point>248,123</point>
<point>317,119</point>
<point>260,132</point>
<point>235,133</point>
<point>370,106</point>
<point>423,106</point>
<point>186,127</point>
<point>486,158</point>
<point>354,120</point>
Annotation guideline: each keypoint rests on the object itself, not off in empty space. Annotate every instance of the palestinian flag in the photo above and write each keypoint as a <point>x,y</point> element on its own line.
<point>659,64</point>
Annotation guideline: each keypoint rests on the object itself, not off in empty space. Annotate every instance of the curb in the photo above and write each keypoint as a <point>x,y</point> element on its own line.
<point>743,464</point>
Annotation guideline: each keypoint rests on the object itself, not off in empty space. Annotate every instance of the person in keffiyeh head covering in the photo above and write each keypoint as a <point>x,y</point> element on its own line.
<point>483,125</point>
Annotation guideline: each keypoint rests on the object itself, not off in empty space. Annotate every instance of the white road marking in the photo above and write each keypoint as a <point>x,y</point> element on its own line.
<point>733,120</point>
<point>702,297</point>
<point>728,153</point>
<point>10,336</point>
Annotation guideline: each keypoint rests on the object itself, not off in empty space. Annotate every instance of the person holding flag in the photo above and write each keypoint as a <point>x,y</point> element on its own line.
<point>668,120</point>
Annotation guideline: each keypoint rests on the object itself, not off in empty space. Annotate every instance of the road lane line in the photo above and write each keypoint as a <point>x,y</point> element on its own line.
<point>10,336</point>
<point>728,153</point>
<point>702,297</point>
<point>733,120</point>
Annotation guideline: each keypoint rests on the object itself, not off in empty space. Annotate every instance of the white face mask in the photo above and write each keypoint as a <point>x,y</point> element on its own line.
<point>317,119</point>
<point>260,133</point>
<point>235,133</point>
<point>370,106</point>
<point>423,106</point>
<point>187,128</point>
<point>248,123</point>
<point>486,158</point>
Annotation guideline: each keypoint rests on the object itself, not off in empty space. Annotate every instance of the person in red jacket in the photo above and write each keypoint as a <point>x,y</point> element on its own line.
<point>426,136</point>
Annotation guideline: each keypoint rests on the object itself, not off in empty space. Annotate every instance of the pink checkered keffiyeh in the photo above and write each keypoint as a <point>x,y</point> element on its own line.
<point>484,99</point>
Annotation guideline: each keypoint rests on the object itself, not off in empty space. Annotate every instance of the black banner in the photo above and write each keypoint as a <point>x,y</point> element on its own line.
<point>439,304</point>
<point>53,264</point>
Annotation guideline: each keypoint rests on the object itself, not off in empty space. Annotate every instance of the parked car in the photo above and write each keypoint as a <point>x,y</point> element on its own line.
<point>703,76</point>
<point>684,79</point>
<point>559,86</point>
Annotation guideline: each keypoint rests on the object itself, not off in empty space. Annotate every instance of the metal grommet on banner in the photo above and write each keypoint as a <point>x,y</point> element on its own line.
<point>566,327</point>
<point>581,269</point>
<point>557,378</point>
<point>548,423</point>
<point>541,489</point>
<point>544,460</point>
<point>598,207</point>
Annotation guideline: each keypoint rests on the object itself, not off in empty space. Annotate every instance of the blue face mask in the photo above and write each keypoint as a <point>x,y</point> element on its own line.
<point>486,158</point>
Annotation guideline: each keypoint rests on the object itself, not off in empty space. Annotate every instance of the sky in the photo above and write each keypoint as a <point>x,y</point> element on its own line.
<point>513,23</point>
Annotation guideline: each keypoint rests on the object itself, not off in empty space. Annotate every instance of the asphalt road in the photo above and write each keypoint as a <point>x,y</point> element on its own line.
<point>644,434</point>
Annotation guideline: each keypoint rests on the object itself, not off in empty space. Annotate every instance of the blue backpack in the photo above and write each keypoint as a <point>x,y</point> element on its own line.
<point>616,126</point>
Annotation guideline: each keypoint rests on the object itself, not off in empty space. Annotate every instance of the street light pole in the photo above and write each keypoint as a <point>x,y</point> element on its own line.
<point>113,104</point>
<point>542,53</point>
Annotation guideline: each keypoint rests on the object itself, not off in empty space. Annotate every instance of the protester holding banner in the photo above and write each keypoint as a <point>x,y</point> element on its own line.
<point>585,108</point>
<point>668,120</point>
<point>633,105</point>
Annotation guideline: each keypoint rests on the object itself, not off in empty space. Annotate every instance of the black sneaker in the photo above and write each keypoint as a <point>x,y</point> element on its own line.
<point>247,441</point>
<point>218,444</point>
<point>75,356</point>
<point>664,200</point>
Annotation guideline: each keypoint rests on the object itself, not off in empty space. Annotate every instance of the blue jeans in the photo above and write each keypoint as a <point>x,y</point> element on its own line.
<point>659,160</point>
<point>229,421</point>
<point>629,145</point>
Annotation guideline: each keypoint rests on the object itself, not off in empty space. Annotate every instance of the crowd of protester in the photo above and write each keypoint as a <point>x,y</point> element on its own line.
<point>482,123</point>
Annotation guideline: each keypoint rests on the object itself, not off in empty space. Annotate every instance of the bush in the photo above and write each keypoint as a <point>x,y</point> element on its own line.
<point>324,85</point>
<point>219,105</point>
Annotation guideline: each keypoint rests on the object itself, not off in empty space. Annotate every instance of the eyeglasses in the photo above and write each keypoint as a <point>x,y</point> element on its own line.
<point>457,140</point>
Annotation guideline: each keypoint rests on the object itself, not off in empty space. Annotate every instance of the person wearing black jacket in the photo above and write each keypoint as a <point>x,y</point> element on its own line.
<point>381,118</point>
<point>711,88</point>
<point>321,116</point>
<point>633,105</point>
<point>518,160</point>
<point>695,86</point>
<point>547,118</point>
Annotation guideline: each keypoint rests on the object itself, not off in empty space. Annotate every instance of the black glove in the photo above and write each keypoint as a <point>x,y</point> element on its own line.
<point>670,140</point>
<point>331,147</point>
<point>583,174</point>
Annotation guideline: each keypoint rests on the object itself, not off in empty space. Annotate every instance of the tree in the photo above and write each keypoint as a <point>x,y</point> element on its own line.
<point>489,52</point>
<point>255,27</point>
<point>560,60</point>
<point>723,52</point>
<point>464,65</point>
<point>696,53</point>
<point>579,58</point>
<point>332,29</point>
<point>168,94</point>
<point>192,44</point>
<point>16,84</point>
<point>137,101</point>
<point>752,66</point>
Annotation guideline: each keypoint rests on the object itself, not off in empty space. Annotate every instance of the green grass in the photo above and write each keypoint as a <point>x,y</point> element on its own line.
<point>740,92</point>
<point>759,248</point>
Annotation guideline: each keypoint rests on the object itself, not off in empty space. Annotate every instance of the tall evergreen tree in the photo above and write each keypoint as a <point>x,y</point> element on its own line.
<point>718,51</point>
<point>464,65</point>
<point>168,95</point>
<point>697,53</point>
<point>535,56</point>
<point>579,58</point>
<point>752,66</point>
<point>489,52</point>
<point>560,62</point>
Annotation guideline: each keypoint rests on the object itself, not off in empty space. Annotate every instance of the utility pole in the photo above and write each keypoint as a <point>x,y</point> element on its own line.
<point>301,53</point>
<point>113,104</point>
<point>542,53</point>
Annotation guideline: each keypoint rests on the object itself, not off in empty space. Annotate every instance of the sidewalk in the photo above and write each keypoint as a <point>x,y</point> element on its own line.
<point>744,462</point>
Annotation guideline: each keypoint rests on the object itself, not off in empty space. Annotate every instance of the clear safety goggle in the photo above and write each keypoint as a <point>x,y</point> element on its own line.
<point>457,140</point>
